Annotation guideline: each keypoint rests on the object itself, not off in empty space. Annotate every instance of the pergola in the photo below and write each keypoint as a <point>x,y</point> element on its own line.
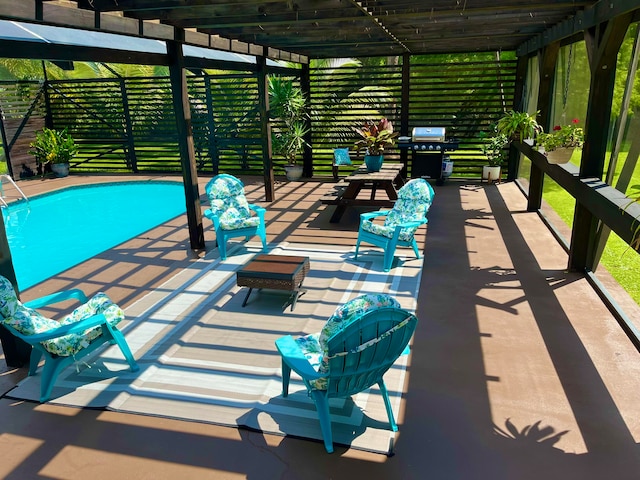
<point>301,30</point>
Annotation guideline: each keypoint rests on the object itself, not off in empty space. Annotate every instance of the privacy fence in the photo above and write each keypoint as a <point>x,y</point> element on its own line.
<point>128,124</point>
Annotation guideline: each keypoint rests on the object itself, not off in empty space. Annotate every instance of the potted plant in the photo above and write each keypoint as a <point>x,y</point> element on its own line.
<point>495,149</point>
<point>376,137</point>
<point>518,126</point>
<point>55,148</point>
<point>288,105</point>
<point>559,144</point>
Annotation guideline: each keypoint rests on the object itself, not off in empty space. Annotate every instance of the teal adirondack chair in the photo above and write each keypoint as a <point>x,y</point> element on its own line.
<point>231,214</point>
<point>401,222</point>
<point>354,350</point>
<point>62,343</point>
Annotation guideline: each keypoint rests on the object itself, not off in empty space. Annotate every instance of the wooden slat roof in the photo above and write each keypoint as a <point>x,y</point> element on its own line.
<point>339,28</point>
<point>306,29</point>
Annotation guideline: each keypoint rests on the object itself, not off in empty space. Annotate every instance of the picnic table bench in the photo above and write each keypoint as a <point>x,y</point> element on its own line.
<point>345,193</point>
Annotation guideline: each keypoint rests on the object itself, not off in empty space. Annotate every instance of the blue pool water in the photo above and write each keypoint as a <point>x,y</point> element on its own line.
<point>56,231</point>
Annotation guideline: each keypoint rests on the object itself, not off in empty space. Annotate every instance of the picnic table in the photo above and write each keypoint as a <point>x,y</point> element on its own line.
<point>345,193</point>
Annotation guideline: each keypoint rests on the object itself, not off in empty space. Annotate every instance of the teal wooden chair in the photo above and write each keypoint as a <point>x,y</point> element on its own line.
<point>354,350</point>
<point>231,214</point>
<point>400,223</point>
<point>64,342</point>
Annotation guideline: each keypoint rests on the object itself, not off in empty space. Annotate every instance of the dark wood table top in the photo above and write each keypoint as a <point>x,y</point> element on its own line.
<point>389,172</point>
<point>276,267</point>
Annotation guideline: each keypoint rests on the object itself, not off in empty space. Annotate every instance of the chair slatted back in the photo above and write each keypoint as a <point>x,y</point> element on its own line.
<point>361,354</point>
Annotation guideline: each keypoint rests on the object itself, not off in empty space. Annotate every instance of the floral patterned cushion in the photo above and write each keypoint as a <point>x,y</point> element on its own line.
<point>28,321</point>
<point>227,199</point>
<point>413,203</point>
<point>315,346</point>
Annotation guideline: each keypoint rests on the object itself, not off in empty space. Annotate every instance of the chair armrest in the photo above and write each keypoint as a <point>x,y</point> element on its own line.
<point>370,215</point>
<point>208,213</point>
<point>77,327</point>
<point>260,211</point>
<point>415,223</point>
<point>293,356</point>
<point>57,298</point>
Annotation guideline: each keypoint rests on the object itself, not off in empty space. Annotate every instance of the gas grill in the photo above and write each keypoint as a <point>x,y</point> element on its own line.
<point>428,146</point>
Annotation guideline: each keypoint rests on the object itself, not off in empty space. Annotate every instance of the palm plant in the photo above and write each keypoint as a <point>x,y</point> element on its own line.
<point>289,108</point>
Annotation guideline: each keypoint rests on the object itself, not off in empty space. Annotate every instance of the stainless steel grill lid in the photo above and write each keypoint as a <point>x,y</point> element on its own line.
<point>428,134</point>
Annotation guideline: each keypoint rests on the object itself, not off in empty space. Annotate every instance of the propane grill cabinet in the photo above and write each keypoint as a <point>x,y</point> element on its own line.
<point>428,146</point>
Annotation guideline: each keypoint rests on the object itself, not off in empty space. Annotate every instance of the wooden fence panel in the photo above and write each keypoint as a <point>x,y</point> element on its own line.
<point>128,124</point>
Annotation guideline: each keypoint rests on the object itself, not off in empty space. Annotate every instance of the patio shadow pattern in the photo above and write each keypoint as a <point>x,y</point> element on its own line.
<point>517,368</point>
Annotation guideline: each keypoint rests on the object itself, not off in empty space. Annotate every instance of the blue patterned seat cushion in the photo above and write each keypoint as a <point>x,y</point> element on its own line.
<point>228,201</point>
<point>315,346</point>
<point>413,203</point>
<point>28,321</point>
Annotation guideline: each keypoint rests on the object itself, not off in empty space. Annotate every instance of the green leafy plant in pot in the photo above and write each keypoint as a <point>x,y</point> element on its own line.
<point>55,148</point>
<point>288,107</point>
<point>375,138</point>
<point>518,125</point>
<point>495,148</point>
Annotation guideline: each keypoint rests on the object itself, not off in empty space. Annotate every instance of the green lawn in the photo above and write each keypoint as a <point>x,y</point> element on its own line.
<point>621,261</point>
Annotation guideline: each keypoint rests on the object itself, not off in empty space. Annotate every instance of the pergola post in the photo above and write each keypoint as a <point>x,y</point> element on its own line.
<point>404,107</point>
<point>185,139</point>
<point>265,125</point>
<point>603,44</point>
<point>307,156</point>
<point>545,99</point>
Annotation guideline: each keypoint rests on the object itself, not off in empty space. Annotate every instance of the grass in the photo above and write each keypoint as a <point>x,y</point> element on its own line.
<point>622,262</point>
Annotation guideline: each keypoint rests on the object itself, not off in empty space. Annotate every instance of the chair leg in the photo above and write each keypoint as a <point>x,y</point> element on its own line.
<point>50,371</point>
<point>387,405</point>
<point>124,348</point>
<point>286,375</point>
<point>34,360</point>
<point>222,247</point>
<point>322,406</point>
<point>414,244</point>
<point>263,237</point>
<point>357,248</point>
<point>388,257</point>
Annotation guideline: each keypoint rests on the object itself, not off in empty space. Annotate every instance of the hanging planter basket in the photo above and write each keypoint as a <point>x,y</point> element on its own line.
<point>559,155</point>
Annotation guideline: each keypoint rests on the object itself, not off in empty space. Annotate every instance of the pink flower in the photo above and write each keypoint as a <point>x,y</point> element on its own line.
<point>557,127</point>
<point>575,120</point>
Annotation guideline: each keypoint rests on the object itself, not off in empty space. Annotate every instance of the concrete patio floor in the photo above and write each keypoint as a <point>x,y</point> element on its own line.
<point>518,371</point>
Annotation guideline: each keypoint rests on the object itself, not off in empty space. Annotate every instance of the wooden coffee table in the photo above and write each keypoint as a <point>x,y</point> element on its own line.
<point>276,272</point>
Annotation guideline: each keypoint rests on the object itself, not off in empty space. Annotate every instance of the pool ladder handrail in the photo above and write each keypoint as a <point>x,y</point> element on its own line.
<point>9,180</point>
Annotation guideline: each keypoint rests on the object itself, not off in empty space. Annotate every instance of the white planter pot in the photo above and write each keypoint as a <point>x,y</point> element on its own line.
<point>491,174</point>
<point>60,169</point>
<point>559,155</point>
<point>294,172</point>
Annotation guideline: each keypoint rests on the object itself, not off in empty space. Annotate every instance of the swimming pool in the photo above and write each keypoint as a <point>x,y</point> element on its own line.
<point>53,232</point>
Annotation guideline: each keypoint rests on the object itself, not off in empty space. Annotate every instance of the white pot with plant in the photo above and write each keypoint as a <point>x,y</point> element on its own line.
<point>559,144</point>
<point>55,148</point>
<point>496,150</point>
<point>288,107</point>
<point>375,138</point>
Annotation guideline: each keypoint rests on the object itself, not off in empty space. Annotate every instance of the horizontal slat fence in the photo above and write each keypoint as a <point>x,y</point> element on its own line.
<point>128,124</point>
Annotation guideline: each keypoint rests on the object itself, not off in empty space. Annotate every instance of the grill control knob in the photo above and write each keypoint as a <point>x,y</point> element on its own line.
<point>423,147</point>
<point>430,147</point>
<point>416,147</point>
